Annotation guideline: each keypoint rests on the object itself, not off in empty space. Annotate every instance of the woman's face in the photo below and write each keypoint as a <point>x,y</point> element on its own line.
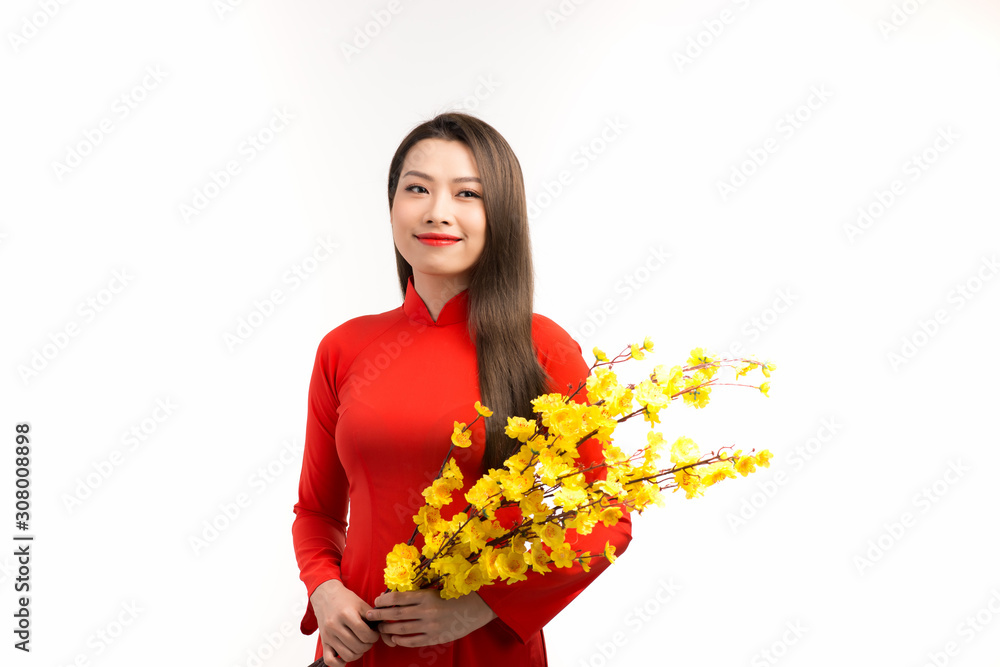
<point>439,195</point>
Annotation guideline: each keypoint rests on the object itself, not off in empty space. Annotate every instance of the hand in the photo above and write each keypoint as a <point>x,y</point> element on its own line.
<point>341,618</point>
<point>427,618</point>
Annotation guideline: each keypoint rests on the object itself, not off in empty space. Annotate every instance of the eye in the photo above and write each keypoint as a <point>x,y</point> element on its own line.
<point>472,193</point>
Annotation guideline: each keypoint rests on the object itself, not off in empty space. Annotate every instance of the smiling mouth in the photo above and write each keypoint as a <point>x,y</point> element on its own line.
<point>438,240</point>
<point>437,237</point>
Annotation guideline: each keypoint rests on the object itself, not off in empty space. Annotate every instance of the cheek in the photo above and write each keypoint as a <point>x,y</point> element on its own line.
<point>403,210</point>
<point>482,240</point>
<point>481,233</point>
<point>479,242</point>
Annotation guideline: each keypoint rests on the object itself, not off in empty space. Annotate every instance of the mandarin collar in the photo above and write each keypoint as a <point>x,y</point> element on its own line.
<point>453,312</point>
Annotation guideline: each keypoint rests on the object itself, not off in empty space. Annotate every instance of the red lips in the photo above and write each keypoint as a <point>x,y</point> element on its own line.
<point>437,237</point>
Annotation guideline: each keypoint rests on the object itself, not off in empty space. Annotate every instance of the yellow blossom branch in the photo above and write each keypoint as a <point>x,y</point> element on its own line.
<point>577,503</point>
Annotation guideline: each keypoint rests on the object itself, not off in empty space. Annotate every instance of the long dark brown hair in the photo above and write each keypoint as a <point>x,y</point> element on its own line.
<point>501,282</point>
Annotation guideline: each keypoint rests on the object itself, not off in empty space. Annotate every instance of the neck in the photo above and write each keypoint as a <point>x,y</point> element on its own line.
<point>437,290</point>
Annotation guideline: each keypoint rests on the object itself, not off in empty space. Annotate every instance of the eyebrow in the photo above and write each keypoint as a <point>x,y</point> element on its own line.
<point>462,179</point>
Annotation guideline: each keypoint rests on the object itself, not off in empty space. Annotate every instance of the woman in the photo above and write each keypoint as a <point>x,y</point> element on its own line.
<point>386,390</point>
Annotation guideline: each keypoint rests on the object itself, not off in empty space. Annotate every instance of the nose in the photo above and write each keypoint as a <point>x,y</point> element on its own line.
<point>439,209</point>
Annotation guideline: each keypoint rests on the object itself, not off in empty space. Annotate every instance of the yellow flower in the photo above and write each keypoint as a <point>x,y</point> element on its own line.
<point>400,565</point>
<point>551,466</point>
<point>690,482</point>
<point>474,534</point>
<point>649,393</point>
<point>672,379</point>
<point>406,552</point>
<point>438,493</point>
<point>520,428</point>
<point>537,558</point>
<point>584,521</point>
<point>595,418</point>
<point>492,527</point>
<point>576,481</point>
<point>428,518</point>
<point>645,495</point>
<point>654,443</point>
<point>519,460</point>
<point>620,401</point>
<point>453,525</point>
<point>599,354</point>
<point>764,458</point>
<point>610,487</point>
<point>647,344</point>
<point>697,397</point>
<point>609,552</point>
<point>483,410</point>
<point>511,566</point>
<point>563,555</point>
<point>460,437</point>
<point>609,515</point>
<point>452,474</point>
<point>684,451</point>
<point>551,534</point>
<point>546,403</point>
<point>637,352</point>
<point>767,368</point>
<point>746,369</point>
<point>570,498</point>
<point>613,455</point>
<point>461,548</point>
<point>698,357</point>
<point>433,542</point>
<point>746,465</point>
<point>485,493</point>
<point>764,388</point>
<point>448,564</point>
<point>716,472</point>
<point>473,578</point>
<point>515,486</point>
<point>397,577</point>
<point>488,559</point>
<point>566,422</point>
<point>533,505</point>
<point>600,384</point>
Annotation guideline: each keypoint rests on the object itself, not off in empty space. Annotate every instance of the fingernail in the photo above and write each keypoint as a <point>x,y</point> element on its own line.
<point>370,615</point>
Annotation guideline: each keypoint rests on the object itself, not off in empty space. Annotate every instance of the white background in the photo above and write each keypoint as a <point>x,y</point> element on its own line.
<point>836,539</point>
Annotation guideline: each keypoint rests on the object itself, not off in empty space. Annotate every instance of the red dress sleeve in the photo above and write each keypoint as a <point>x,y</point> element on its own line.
<point>526,606</point>
<point>320,525</point>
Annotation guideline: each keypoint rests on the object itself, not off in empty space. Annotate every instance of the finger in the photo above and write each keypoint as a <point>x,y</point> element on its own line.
<point>393,613</point>
<point>330,658</point>
<point>361,630</point>
<point>402,628</point>
<point>397,598</point>
<point>388,639</point>
<point>412,641</point>
<point>351,632</point>
<point>348,648</point>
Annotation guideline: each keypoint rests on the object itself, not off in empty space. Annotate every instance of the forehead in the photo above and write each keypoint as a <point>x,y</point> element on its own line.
<point>431,155</point>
